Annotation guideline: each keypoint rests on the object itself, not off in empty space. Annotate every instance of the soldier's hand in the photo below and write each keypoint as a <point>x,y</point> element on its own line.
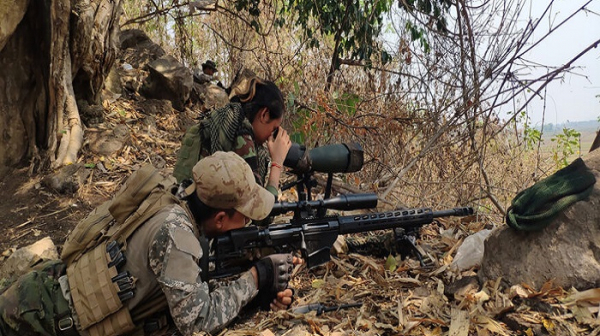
<point>283,300</point>
<point>279,146</point>
<point>274,272</point>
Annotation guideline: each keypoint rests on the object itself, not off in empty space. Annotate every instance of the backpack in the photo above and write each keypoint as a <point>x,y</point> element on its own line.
<point>91,277</point>
<point>142,195</point>
<point>189,153</point>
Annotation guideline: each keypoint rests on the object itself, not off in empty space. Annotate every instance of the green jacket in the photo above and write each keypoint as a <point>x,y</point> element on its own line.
<point>225,129</point>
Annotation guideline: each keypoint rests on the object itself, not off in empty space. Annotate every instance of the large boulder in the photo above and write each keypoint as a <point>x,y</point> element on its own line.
<point>137,49</point>
<point>126,76</point>
<point>210,96</point>
<point>168,79</point>
<point>21,260</point>
<point>566,252</point>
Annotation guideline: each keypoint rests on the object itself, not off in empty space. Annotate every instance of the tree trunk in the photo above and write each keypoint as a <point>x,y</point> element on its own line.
<point>53,56</point>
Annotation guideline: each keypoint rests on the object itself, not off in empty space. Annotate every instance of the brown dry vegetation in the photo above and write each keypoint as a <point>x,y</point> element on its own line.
<point>399,297</point>
<point>426,144</point>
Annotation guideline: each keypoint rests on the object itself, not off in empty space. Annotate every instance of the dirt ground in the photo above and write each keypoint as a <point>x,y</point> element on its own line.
<point>30,212</point>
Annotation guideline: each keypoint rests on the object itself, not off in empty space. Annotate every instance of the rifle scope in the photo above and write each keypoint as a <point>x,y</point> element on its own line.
<point>337,158</point>
<point>342,202</point>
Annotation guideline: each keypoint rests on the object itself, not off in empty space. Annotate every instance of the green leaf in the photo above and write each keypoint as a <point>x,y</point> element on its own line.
<point>318,283</point>
<point>391,264</point>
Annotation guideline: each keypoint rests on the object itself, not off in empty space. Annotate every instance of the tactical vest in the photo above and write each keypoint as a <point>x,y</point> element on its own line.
<point>94,250</point>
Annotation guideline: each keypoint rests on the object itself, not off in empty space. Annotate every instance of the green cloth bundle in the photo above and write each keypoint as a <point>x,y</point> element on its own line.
<point>535,207</point>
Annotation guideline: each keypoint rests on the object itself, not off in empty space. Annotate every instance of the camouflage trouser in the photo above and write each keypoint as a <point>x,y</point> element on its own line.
<point>34,304</point>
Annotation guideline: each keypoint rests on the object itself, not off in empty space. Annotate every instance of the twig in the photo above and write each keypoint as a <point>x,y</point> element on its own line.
<point>54,213</point>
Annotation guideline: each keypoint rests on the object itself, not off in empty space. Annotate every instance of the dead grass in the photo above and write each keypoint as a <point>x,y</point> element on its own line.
<point>399,297</point>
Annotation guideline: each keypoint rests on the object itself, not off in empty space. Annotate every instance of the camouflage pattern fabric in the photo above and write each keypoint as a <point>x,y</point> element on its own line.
<point>224,181</point>
<point>174,256</point>
<point>225,129</point>
<point>229,130</point>
<point>34,302</point>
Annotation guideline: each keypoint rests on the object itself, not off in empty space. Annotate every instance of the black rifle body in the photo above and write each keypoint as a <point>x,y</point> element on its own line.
<point>315,237</point>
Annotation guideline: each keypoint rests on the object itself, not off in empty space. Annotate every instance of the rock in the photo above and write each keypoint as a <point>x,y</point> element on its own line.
<point>22,259</point>
<point>107,142</point>
<point>90,114</point>
<point>112,83</point>
<point>127,74</point>
<point>137,49</point>
<point>67,179</point>
<point>566,252</point>
<point>461,287</point>
<point>211,96</point>
<point>154,107</point>
<point>168,79</point>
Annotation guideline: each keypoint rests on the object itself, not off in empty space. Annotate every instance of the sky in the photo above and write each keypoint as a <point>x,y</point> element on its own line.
<point>574,97</point>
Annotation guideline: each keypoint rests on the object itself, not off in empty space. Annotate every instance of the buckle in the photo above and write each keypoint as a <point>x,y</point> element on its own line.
<point>65,323</point>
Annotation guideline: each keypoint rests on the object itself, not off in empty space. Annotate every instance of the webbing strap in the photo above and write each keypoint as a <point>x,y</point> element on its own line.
<point>118,323</point>
<point>156,201</point>
<point>95,295</point>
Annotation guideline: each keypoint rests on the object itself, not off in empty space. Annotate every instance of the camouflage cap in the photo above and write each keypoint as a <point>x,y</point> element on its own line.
<point>225,181</point>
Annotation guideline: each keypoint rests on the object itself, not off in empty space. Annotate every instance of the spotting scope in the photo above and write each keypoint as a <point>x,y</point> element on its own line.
<point>337,158</point>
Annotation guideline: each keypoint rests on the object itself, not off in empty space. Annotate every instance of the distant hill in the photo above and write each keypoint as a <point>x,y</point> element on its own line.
<point>580,126</point>
<point>587,129</point>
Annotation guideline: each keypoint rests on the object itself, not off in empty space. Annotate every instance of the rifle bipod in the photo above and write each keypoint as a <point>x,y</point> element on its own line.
<point>405,243</point>
<point>393,242</point>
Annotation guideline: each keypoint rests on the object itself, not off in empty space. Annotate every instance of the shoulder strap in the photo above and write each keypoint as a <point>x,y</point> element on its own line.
<point>159,198</point>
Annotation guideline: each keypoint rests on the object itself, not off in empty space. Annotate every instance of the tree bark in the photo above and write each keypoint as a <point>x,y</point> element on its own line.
<point>60,52</point>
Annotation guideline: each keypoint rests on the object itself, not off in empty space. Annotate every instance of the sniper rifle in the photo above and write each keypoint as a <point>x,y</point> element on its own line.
<point>314,236</point>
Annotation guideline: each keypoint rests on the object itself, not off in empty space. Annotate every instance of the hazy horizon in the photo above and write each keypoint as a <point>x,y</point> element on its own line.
<point>575,97</point>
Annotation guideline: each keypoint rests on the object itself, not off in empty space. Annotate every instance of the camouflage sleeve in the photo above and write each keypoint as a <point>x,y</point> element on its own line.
<point>174,258</point>
<point>246,148</point>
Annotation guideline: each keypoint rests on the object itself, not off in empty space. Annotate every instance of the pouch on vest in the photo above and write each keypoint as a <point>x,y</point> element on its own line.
<point>95,296</point>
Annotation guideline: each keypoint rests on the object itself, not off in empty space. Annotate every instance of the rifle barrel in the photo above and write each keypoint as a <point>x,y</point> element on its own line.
<point>462,211</point>
<point>397,218</point>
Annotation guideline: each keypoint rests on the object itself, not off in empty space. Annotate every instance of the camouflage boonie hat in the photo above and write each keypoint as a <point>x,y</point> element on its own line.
<point>225,181</point>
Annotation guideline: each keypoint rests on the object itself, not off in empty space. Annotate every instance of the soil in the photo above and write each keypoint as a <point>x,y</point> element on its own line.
<point>30,212</point>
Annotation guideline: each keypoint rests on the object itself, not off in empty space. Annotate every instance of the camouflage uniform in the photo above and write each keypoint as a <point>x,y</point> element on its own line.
<point>164,256</point>
<point>171,266</point>
<point>34,304</point>
<point>165,253</point>
<point>225,129</point>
